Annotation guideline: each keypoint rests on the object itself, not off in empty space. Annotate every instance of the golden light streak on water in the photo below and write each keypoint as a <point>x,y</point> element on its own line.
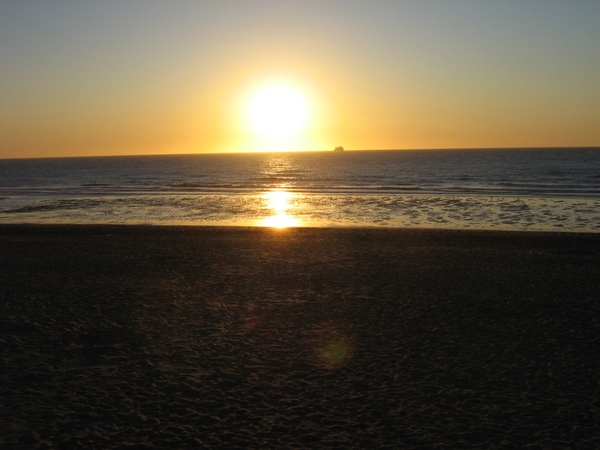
<point>279,202</point>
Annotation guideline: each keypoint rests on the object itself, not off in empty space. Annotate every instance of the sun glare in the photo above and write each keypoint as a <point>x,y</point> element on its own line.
<point>279,203</point>
<point>277,111</point>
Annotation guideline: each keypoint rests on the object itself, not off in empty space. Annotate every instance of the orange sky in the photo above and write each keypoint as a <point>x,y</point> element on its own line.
<point>144,77</point>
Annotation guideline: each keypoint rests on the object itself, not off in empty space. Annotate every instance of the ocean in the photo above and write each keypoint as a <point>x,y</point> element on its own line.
<point>503,189</point>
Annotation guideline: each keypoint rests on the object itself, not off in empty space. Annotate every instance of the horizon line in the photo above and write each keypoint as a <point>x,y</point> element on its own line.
<point>306,151</point>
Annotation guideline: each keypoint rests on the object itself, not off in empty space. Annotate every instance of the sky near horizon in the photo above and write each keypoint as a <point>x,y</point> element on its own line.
<point>155,77</point>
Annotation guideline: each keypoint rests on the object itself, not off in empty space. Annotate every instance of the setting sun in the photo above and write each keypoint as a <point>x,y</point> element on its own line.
<point>277,111</point>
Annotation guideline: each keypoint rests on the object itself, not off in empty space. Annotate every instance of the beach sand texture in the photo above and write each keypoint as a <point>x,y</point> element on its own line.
<point>172,337</point>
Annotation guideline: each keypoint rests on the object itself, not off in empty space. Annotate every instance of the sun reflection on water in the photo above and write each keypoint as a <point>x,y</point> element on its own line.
<point>279,202</point>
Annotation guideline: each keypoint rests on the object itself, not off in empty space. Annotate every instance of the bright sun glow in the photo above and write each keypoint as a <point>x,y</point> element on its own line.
<point>277,111</point>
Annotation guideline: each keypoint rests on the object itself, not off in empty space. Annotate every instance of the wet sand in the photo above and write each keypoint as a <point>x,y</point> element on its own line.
<point>173,337</point>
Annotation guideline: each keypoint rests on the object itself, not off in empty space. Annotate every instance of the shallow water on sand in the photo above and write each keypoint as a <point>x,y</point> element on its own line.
<point>416,211</point>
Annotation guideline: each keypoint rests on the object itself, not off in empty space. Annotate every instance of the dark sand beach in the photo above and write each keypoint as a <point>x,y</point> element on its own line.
<point>182,337</point>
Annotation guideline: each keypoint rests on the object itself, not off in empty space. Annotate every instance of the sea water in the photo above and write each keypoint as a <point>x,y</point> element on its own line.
<point>512,189</point>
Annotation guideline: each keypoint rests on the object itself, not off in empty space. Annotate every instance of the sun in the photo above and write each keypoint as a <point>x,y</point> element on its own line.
<point>277,111</point>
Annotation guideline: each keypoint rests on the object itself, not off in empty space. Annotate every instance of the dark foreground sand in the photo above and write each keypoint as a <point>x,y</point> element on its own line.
<point>151,337</point>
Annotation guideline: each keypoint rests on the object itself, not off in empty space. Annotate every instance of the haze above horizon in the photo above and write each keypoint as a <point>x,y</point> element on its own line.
<point>149,77</point>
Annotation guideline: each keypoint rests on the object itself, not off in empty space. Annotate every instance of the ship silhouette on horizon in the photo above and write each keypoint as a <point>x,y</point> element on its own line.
<point>338,149</point>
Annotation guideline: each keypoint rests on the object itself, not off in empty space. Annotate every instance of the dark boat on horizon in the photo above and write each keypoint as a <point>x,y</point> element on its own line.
<point>338,149</point>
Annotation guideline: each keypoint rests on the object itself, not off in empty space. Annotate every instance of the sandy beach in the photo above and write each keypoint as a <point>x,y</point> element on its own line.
<point>206,337</point>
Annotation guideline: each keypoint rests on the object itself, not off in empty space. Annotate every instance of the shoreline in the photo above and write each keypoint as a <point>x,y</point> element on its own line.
<point>35,227</point>
<point>282,208</point>
<point>244,337</point>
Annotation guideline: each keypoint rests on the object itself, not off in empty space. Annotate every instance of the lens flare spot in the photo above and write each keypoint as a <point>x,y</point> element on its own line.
<point>335,353</point>
<point>331,346</point>
<point>250,319</point>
